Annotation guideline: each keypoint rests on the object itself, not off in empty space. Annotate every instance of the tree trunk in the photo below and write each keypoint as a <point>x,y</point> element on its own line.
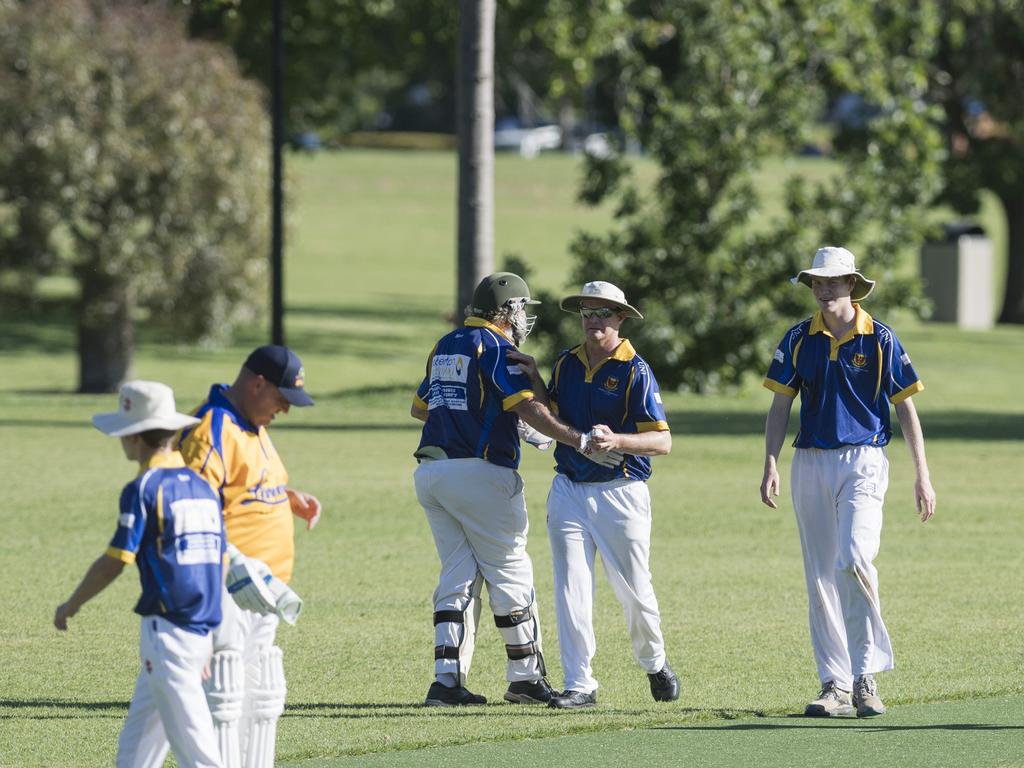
<point>106,338</point>
<point>1013,299</point>
<point>475,124</point>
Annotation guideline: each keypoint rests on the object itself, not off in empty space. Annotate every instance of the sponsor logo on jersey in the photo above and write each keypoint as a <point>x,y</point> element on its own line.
<point>657,397</point>
<point>611,383</point>
<point>779,356</point>
<point>126,519</point>
<point>514,370</point>
<point>449,368</point>
<point>905,358</point>
<point>860,359</point>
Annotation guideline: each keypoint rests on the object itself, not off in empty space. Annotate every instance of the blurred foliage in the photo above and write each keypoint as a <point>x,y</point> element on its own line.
<point>977,76</point>
<point>354,64</point>
<point>135,160</point>
<point>710,90</point>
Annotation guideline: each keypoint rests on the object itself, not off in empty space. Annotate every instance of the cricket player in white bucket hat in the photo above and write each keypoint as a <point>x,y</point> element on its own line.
<point>171,526</point>
<point>848,368</point>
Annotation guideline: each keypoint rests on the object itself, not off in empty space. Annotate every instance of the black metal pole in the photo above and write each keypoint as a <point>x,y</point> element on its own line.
<point>277,194</point>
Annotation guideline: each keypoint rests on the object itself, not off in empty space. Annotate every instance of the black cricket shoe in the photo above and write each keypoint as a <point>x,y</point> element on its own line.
<point>664,684</point>
<point>530,692</point>
<point>441,695</point>
<point>573,700</point>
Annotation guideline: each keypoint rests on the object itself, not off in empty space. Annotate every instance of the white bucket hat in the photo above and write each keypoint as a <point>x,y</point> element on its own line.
<point>600,290</point>
<point>142,405</point>
<point>831,261</point>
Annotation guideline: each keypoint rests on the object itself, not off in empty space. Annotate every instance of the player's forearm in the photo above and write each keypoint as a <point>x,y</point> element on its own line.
<point>540,417</point>
<point>101,573</point>
<point>775,428</point>
<point>912,433</point>
<point>657,443</point>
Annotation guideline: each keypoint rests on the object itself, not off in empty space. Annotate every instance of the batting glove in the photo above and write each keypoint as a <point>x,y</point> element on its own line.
<point>538,440</point>
<point>289,604</point>
<point>248,583</point>
<point>606,458</point>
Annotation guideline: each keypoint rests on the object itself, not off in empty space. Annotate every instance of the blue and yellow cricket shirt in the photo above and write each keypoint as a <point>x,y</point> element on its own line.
<point>170,525</point>
<point>845,385</point>
<point>239,461</point>
<point>619,392</point>
<point>469,391</point>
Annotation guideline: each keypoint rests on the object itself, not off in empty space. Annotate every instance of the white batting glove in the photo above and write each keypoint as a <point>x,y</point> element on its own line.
<point>289,604</point>
<point>606,458</point>
<point>247,582</point>
<point>528,434</point>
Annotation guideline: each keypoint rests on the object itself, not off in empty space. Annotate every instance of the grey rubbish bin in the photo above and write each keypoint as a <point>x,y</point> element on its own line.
<point>958,276</point>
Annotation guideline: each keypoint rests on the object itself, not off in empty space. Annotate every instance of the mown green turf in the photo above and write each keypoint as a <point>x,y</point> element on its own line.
<point>979,733</point>
<point>369,282</point>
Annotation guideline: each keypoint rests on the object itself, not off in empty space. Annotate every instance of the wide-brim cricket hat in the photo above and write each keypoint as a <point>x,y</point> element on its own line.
<point>142,406</point>
<point>282,368</point>
<point>599,290</point>
<point>494,290</point>
<point>831,261</point>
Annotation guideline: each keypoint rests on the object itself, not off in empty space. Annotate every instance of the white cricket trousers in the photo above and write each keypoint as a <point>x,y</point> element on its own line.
<point>168,707</point>
<point>477,515</point>
<point>837,496</point>
<point>612,518</point>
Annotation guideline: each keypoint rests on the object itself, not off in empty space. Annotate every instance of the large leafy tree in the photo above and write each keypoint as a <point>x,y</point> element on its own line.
<point>977,75</point>
<point>711,90</point>
<point>135,161</point>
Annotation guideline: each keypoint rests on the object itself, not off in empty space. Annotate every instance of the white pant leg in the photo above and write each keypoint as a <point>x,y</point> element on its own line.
<point>814,501</point>
<point>142,742</point>
<point>622,532</point>
<point>486,504</point>
<point>173,660</point>
<point>862,482</point>
<point>572,555</point>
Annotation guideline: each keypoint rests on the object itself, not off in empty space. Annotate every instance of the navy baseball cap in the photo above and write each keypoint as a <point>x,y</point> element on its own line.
<point>282,368</point>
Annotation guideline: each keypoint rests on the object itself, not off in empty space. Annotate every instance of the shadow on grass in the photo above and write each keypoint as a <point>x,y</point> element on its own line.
<point>938,425</point>
<point>87,709</point>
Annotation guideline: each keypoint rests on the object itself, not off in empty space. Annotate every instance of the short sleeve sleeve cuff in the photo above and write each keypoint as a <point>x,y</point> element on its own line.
<point>121,555</point>
<point>652,426</point>
<point>512,401</point>
<point>781,389</point>
<point>903,394</point>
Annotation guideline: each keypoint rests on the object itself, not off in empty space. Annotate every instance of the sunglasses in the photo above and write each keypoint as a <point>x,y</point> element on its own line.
<point>600,312</point>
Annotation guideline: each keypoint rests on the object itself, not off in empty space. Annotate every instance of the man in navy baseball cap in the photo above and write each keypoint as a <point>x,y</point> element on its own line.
<point>282,368</point>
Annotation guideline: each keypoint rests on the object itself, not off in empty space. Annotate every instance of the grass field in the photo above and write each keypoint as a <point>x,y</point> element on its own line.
<point>369,281</point>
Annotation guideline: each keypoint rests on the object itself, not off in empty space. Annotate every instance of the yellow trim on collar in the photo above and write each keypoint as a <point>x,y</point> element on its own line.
<point>863,325</point>
<point>623,353</point>
<point>163,460</point>
<point>479,322</point>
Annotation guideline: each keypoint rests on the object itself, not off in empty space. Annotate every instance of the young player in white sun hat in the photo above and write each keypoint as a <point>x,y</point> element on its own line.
<point>848,368</point>
<point>170,525</point>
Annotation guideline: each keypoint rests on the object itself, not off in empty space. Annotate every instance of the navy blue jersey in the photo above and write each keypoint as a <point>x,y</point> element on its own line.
<point>620,392</point>
<point>845,385</point>
<point>171,526</point>
<point>469,391</point>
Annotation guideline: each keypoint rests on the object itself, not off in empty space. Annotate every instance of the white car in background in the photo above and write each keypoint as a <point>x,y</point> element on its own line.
<point>529,142</point>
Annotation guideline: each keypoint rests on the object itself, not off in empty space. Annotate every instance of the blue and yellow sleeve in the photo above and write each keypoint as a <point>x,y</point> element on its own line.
<point>131,524</point>
<point>644,400</point>
<point>900,380</point>
<point>782,377</point>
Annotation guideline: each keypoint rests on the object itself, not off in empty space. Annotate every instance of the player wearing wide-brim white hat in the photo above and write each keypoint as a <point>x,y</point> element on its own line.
<point>142,406</point>
<point>832,261</point>
<point>599,290</point>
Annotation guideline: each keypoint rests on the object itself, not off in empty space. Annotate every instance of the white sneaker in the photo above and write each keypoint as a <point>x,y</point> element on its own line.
<point>833,701</point>
<point>865,697</point>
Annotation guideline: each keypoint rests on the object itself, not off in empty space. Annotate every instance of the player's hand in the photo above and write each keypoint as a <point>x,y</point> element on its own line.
<point>526,363</point>
<point>770,486</point>
<point>924,495</point>
<point>60,618</point>
<point>603,439</point>
<point>305,505</point>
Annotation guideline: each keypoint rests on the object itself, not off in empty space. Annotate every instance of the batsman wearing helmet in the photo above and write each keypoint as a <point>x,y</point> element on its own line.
<point>848,368</point>
<point>231,449</point>
<point>475,391</point>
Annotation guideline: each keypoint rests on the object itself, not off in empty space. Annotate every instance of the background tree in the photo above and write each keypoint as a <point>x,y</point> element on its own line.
<point>711,90</point>
<point>136,161</point>
<point>977,75</point>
